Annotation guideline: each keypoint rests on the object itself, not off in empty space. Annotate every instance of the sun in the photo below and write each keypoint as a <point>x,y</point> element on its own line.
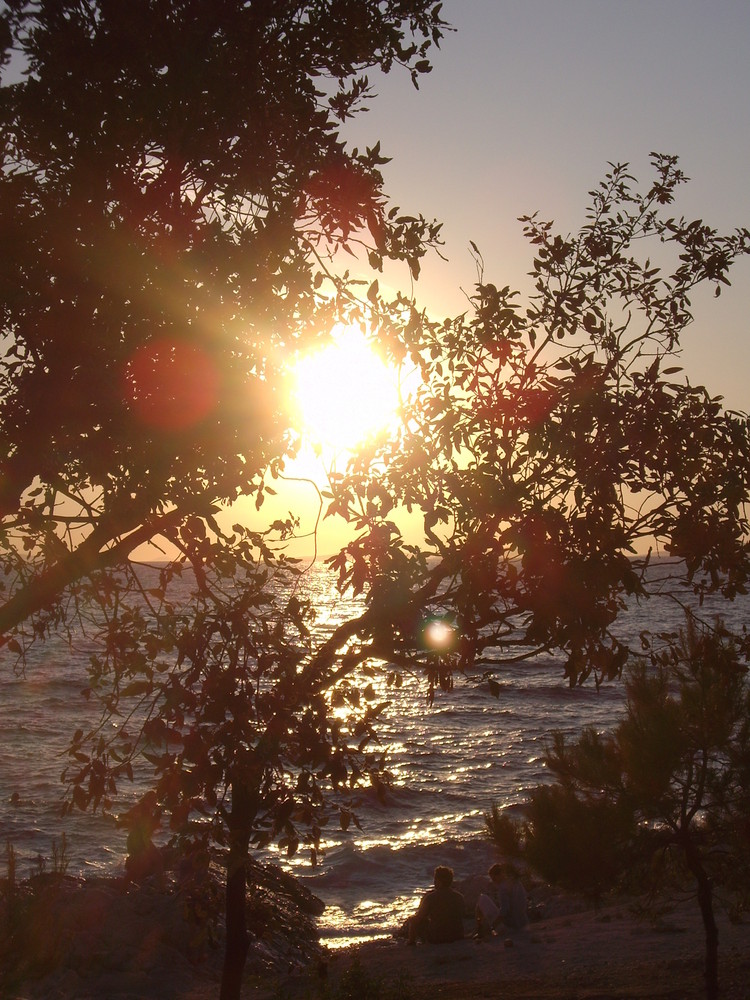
<point>344,393</point>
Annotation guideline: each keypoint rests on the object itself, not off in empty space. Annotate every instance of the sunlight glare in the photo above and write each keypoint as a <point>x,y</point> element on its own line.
<point>344,393</point>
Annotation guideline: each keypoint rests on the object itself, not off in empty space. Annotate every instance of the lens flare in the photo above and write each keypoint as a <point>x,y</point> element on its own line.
<point>171,385</point>
<point>439,635</point>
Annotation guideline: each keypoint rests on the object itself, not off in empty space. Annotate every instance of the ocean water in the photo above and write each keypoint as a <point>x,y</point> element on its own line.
<point>449,761</point>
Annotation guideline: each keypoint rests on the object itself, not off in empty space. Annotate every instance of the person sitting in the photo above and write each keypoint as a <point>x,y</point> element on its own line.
<point>440,916</point>
<point>504,904</point>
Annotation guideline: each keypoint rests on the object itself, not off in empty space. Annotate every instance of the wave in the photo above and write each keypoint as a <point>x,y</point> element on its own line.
<point>450,762</point>
<point>409,866</point>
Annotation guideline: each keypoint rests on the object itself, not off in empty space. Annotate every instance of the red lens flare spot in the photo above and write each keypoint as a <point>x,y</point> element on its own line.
<point>171,385</point>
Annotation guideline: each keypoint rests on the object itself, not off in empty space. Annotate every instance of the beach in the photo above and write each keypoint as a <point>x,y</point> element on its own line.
<point>138,946</point>
<point>598,955</point>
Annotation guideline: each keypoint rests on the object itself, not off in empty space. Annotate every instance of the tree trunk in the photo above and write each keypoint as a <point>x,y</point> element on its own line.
<point>705,900</point>
<point>706,903</point>
<point>237,939</point>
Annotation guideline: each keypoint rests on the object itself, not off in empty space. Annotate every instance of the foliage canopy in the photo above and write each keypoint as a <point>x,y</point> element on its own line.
<point>174,181</point>
<point>553,445</point>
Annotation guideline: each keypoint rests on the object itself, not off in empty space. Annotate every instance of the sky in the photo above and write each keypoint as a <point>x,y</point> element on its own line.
<point>528,102</point>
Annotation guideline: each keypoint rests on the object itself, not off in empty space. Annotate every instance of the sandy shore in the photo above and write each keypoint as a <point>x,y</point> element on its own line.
<point>143,951</point>
<point>604,955</point>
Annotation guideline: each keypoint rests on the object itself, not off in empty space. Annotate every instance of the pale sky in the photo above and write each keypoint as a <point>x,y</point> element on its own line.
<point>527,103</point>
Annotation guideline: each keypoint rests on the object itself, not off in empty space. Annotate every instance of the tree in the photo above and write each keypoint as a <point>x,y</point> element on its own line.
<point>174,196</point>
<point>577,841</point>
<point>552,445</point>
<point>670,783</point>
<point>173,179</point>
<point>530,463</point>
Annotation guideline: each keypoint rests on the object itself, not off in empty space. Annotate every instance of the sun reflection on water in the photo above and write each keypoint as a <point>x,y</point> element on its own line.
<point>337,924</point>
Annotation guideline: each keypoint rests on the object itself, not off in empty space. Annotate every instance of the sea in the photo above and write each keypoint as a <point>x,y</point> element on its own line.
<point>450,762</point>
